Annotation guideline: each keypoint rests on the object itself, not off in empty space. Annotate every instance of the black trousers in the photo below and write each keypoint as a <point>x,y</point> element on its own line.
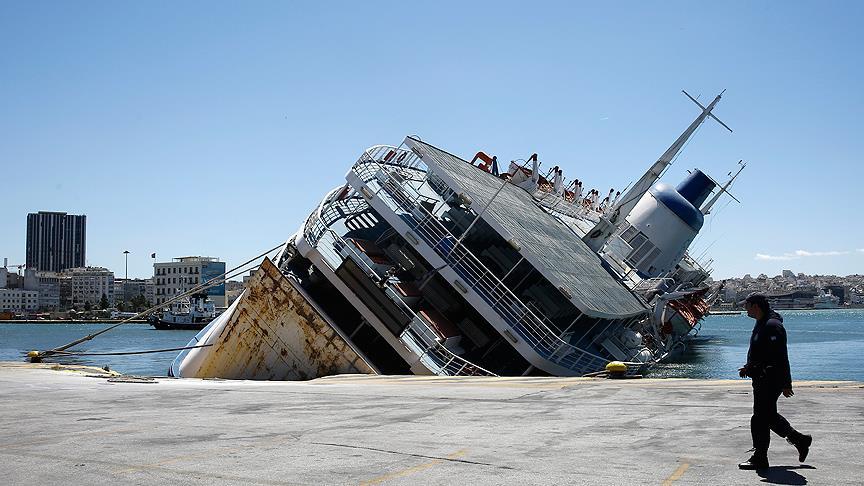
<point>765,418</point>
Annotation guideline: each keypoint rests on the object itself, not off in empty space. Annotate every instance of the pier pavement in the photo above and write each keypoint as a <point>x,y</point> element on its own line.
<point>82,426</point>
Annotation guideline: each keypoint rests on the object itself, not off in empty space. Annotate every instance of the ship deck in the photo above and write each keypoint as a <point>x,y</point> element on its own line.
<point>78,426</point>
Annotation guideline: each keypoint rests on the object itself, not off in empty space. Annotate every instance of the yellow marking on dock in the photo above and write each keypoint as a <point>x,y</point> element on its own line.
<point>676,475</point>
<point>411,470</point>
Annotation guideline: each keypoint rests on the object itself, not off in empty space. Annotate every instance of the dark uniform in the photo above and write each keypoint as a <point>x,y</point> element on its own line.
<point>768,366</point>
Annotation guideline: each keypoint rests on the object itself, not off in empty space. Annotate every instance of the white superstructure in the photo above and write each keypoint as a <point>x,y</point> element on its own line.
<point>426,263</point>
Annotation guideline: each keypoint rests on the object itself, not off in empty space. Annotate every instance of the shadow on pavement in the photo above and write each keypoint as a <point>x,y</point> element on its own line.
<point>783,474</point>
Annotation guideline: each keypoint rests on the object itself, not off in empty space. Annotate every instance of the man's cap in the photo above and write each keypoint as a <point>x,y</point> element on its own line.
<point>755,298</point>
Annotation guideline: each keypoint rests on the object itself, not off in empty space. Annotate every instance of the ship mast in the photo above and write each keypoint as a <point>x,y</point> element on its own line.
<point>706,209</point>
<point>598,236</point>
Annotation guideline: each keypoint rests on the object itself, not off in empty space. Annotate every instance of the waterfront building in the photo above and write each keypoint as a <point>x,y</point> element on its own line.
<point>19,300</point>
<point>127,289</point>
<point>233,289</point>
<point>47,284</point>
<point>56,241</point>
<point>119,295</point>
<point>149,290</point>
<point>89,284</point>
<point>64,283</point>
<point>11,280</point>
<point>248,276</point>
<point>184,273</point>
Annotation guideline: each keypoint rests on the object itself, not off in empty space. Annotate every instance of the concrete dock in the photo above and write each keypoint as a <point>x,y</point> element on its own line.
<point>82,426</point>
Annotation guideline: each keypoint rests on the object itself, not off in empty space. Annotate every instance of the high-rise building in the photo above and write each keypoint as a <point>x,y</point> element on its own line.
<point>56,241</point>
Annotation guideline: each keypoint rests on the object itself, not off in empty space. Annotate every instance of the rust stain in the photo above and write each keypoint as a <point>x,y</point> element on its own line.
<point>275,333</point>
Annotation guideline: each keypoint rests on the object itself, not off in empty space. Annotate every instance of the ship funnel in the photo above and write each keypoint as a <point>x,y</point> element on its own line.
<point>696,187</point>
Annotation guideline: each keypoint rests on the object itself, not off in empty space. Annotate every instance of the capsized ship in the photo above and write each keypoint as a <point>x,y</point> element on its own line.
<point>425,263</point>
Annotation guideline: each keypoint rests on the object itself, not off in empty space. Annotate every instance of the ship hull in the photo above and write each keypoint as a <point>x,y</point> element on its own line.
<point>272,332</point>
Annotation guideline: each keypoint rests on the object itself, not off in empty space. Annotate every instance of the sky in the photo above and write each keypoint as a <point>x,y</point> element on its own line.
<point>214,128</point>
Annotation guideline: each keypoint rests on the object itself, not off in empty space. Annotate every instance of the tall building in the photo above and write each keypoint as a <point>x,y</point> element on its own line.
<point>184,273</point>
<point>56,241</point>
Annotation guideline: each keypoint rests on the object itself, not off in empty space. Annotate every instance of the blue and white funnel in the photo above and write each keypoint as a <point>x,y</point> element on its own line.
<point>664,223</point>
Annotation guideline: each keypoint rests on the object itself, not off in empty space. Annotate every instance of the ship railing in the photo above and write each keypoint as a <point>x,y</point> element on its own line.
<point>390,155</point>
<point>330,212</point>
<point>418,336</point>
<point>313,225</point>
<point>692,261</point>
<point>518,317</point>
<point>653,283</point>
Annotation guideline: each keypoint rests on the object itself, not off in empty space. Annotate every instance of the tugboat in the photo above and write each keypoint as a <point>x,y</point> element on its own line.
<point>191,314</point>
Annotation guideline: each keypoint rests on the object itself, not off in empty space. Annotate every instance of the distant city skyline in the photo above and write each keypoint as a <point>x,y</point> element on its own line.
<point>207,129</point>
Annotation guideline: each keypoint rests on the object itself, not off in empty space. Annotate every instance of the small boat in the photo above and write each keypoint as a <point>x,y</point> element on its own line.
<point>188,314</point>
<point>826,300</point>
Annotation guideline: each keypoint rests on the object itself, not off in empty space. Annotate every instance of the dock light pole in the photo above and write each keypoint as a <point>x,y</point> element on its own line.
<point>126,279</point>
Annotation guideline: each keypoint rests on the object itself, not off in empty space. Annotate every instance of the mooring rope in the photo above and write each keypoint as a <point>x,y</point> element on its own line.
<point>36,356</point>
<point>121,353</point>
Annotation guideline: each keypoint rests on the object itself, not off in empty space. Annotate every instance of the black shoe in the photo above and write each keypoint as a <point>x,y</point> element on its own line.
<point>802,443</point>
<point>756,461</point>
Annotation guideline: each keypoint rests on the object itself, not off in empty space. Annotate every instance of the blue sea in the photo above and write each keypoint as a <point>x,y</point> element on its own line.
<point>823,345</point>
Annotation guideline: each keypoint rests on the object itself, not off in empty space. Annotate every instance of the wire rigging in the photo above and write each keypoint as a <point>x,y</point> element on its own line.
<point>36,356</point>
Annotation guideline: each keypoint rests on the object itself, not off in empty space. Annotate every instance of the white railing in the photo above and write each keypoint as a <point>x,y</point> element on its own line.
<point>330,212</point>
<point>653,283</point>
<point>418,336</point>
<point>486,285</point>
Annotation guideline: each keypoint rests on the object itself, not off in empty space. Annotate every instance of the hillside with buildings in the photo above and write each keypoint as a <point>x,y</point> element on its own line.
<point>796,291</point>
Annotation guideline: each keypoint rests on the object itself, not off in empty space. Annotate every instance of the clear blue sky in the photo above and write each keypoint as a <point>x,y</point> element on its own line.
<point>213,128</point>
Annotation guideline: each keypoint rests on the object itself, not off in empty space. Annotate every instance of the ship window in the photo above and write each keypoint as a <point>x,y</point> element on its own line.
<point>650,258</point>
<point>629,233</point>
<point>639,252</point>
<point>637,241</point>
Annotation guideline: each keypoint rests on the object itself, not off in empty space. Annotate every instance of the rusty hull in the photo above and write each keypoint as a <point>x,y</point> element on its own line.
<point>274,333</point>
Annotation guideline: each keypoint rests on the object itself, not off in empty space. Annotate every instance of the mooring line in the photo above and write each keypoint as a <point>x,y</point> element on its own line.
<point>121,353</point>
<point>36,356</point>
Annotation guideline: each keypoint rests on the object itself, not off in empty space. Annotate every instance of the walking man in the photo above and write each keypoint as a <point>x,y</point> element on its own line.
<point>768,367</point>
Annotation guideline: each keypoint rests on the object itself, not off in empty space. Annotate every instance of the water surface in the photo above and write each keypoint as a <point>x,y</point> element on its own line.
<point>823,345</point>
